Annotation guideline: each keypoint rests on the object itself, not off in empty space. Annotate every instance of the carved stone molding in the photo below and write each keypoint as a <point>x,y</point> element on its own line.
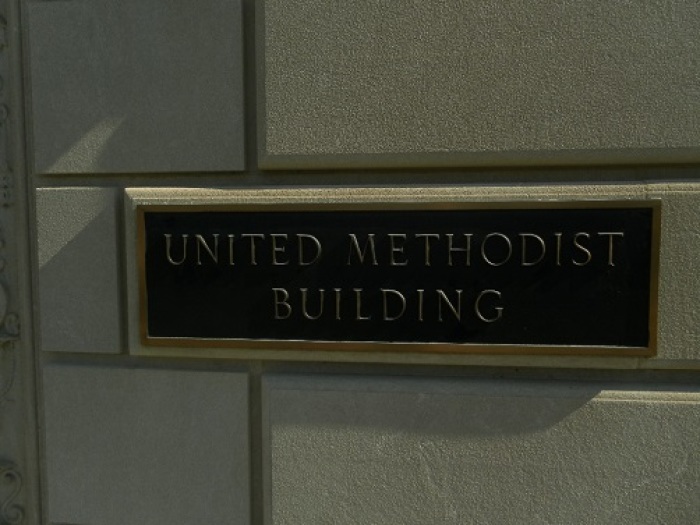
<point>9,321</point>
<point>11,513</point>
<point>6,193</point>
<point>8,370</point>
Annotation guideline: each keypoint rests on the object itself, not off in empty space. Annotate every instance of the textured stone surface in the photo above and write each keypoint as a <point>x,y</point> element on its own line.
<point>136,86</point>
<point>79,296</point>
<point>412,451</point>
<point>416,83</point>
<point>146,446</point>
<point>679,272</point>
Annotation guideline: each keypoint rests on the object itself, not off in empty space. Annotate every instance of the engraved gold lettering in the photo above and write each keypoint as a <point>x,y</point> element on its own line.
<point>451,249</point>
<point>402,309</point>
<point>253,237</point>
<point>213,253</point>
<point>394,249</point>
<point>557,235</point>
<point>442,298</point>
<point>540,241</point>
<point>231,237</point>
<point>427,237</point>
<point>611,236</point>
<point>361,253</point>
<point>358,306</point>
<point>478,309</point>
<point>508,244</point>
<point>281,300</point>
<point>337,303</point>
<point>421,293</point>
<point>168,246</point>
<point>305,238</point>
<point>277,249</point>
<point>304,303</point>
<point>582,248</point>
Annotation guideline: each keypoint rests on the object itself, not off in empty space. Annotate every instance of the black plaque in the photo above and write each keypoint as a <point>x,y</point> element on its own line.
<point>508,278</point>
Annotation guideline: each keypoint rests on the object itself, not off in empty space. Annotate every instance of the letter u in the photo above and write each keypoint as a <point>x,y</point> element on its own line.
<point>168,247</point>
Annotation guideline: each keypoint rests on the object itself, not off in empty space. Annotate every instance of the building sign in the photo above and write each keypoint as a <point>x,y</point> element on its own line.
<point>573,277</point>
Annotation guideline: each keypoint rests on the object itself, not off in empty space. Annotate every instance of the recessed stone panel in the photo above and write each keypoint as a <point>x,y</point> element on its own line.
<point>414,451</point>
<point>79,297</point>
<point>466,83</point>
<point>136,86</point>
<point>145,446</point>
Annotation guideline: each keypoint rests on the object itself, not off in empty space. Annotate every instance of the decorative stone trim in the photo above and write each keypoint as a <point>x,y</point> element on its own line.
<point>10,486</point>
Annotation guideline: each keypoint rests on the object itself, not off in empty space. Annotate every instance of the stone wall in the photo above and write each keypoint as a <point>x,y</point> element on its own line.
<point>105,106</point>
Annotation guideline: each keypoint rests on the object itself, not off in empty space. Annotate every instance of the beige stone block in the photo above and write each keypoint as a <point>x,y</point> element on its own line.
<point>145,446</point>
<point>136,86</point>
<point>79,259</point>
<point>477,83</point>
<point>414,451</point>
<point>679,272</point>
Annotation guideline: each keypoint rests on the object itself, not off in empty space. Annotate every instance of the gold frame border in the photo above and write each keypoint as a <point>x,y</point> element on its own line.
<point>403,347</point>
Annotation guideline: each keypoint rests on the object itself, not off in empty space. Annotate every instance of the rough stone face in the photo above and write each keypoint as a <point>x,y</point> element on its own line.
<point>146,446</point>
<point>414,451</point>
<point>136,86</point>
<point>679,274</point>
<point>406,83</point>
<point>79,295</point>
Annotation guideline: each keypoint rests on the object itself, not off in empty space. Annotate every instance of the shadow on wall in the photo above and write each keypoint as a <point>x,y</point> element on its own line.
<point>437,407</point>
